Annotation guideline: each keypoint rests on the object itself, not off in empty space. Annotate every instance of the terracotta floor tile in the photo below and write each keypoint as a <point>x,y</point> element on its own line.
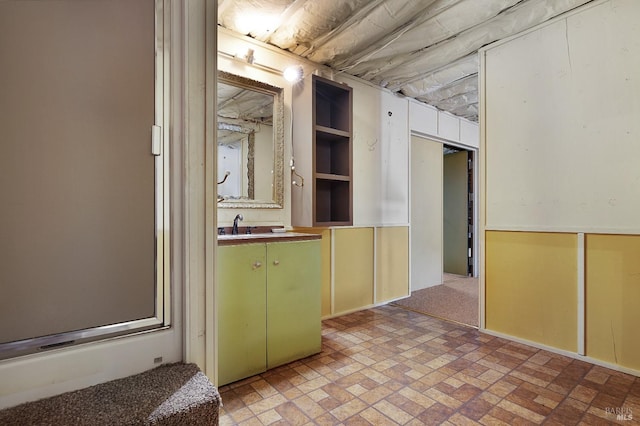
<point>253,421</point>
<point>309,407</point>
<point>375,395</point>
<point>327,420</point>
<point>566,414</point>
<point>475,370</point>
<point>240,415</point>
<point>583,394</point>
<point>476,409</point>
<point>466,392</point>
<point>502,388</point>
<point>597,375</point>
<point>269,417</point>
<point>604,400</point>
<point>459,419</point>
<point>392,366</point>
<point>436,414</point>
<point>329,403</point>
<point>443,398</point>
<point>349,409</point>
<point>393,412</point>
<point>266,404</point>
<point>292,393</point>
<point>504,415</point>
<point>521,411</point>
<point>375,417</point>
<point>529,378</point>
<point>405,404</point>
<point>492,421</point>
<point>529,404</point>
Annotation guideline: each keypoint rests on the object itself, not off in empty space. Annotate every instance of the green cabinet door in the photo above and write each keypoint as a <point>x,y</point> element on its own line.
<point>293,300</point>
<point>242,333</point>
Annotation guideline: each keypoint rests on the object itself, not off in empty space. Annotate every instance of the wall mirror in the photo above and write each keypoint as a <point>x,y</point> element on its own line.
<point>250,143</point>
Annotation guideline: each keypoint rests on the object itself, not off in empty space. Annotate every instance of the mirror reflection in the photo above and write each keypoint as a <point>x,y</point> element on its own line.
<point>249,143</point>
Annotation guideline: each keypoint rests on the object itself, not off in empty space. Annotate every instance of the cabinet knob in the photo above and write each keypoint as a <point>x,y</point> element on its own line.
<point>257,265</point>
<point>276,262</point>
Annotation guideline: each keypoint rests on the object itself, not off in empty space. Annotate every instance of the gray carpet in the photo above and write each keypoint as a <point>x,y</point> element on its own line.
<point>172,394</point>
<point>456,299</point>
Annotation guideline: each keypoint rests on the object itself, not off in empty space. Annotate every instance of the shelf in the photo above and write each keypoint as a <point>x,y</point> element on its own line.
<point>335,132</point>
<point>332,104</point>
<point>329,176</point>
<point>333,154</point>
<point>326,117</point>
<point>333,201</point>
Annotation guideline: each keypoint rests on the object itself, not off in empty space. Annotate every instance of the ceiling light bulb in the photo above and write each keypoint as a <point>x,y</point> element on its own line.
<point>293,73</point>
<point>250,56</point>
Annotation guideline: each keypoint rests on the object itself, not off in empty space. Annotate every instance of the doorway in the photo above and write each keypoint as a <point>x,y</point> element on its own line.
<point>442,232</point>
<point>457,211</point>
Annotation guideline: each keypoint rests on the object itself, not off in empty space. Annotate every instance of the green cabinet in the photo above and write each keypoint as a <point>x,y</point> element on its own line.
<point>269,306</point>
<point>242,332</point>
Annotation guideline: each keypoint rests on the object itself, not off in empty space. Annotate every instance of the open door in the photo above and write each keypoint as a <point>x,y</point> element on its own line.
<point>426,213</point>
<point>456,212</point>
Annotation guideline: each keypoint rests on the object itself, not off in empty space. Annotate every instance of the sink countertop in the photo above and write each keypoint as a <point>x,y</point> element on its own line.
<point>229,240</point>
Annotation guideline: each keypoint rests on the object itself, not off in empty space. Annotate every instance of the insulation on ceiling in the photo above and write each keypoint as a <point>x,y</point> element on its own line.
<point>424,49</point>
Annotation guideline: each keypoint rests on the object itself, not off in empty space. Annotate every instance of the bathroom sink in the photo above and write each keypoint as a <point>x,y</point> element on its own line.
<point>228,239</point>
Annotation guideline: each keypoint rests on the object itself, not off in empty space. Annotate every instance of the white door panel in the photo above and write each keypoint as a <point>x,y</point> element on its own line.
<point>426,213</point>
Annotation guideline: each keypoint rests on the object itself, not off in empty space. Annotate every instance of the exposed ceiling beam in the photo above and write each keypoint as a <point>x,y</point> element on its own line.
<point>404,68</point>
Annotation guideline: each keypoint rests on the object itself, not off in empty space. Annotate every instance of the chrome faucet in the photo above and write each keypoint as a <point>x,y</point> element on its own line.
<point>234,230</point>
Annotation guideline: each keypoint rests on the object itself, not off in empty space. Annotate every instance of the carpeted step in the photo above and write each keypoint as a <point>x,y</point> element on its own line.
<point>172,394</point>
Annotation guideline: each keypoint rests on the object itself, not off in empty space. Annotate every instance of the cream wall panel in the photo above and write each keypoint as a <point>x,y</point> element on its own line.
<point>612,295</point>
<point>561,124</point>
<point>531,287</point>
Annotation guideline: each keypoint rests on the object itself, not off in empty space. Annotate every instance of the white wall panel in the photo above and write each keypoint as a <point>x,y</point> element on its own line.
<point>423,118</point>
<point>448,126</point>
<point>470,133</point>
<point>394,156</point>
<point>562,124</point>
<point>367,199</point>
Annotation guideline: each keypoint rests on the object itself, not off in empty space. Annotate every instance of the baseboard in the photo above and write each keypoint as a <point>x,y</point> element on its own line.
<point>563,352</point>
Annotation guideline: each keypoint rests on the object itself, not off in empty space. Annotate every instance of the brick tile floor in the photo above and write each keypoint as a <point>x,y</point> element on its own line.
<point>390,366</point>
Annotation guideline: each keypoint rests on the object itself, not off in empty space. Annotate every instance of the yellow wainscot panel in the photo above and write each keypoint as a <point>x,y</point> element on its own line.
<point>353,269</point>
<point>531,286</point>
<point>613,295</point>
<point>392,263</point>
<point>325,254</point>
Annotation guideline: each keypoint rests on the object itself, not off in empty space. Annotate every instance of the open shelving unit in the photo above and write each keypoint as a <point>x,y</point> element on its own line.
<point>332,152</point>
